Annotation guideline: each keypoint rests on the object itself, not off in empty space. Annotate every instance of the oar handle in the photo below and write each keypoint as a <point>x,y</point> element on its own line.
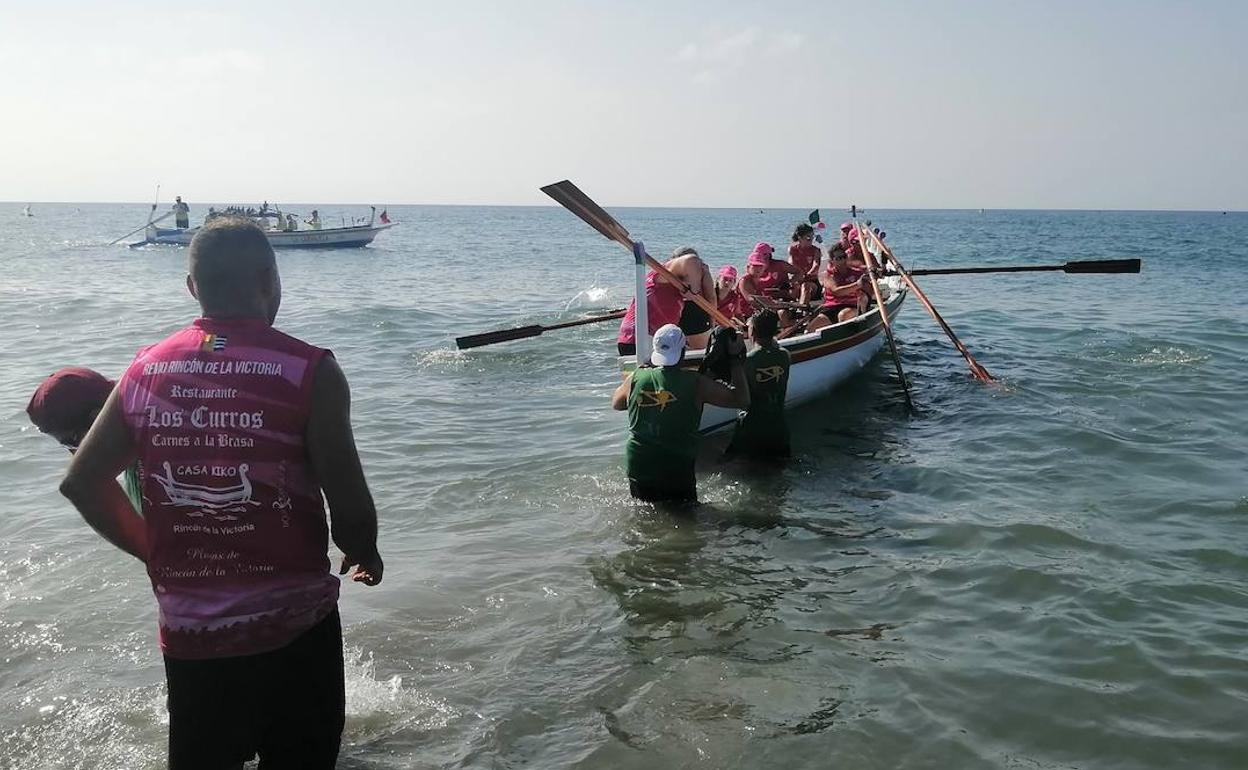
<point>1083,267</point>
<point>532,330</point>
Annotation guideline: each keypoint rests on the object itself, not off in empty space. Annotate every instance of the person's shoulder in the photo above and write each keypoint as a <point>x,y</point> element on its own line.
<point>293,341</point>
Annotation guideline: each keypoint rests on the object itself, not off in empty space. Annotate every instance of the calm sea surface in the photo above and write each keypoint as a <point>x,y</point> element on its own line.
<point>1048,573</point>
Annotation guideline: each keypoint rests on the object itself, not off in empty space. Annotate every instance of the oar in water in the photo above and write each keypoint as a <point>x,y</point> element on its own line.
<point>150,221</point>
<point>1074,268</point>
<point>879,303</point>
<point>571,198</point>
<point>524,332</point>
<point>980,372</point>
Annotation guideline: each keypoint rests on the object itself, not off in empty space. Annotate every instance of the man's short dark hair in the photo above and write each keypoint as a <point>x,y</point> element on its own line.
<point>803,231</point>
<point>226,255</point>
<point>766,323</point>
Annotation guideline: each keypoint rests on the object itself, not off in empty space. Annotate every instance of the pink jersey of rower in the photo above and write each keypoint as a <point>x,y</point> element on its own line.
<point>236,526</point>
<point>735,305</point>
<point>664,303</point>
<point>774,277</point>
<point>803,256</point>
<point>841,279</point>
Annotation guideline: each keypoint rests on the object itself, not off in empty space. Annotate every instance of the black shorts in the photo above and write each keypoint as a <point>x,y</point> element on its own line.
<point>287,705</point>
<point>831,313</point>
<point>677,492</point>
<point>626,348</point>
<point>694,320</point>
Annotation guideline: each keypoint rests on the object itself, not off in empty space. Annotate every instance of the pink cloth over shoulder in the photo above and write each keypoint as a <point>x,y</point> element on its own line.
<point>664,302</point>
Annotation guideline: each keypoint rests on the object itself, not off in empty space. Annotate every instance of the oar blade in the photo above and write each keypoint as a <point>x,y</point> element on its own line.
<point>502,335</point>
<point>1103,266</point>
<point>569,196</point>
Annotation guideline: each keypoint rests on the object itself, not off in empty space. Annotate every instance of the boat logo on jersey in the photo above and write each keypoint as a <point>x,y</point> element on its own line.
<point>647,399</point>
<point>218,502</point>
<point>768,374</point>
<point>213,343</point>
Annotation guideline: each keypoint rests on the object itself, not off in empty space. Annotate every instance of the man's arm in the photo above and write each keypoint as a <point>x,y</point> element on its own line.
<point>619,399</point>
<point>91,481</point>
<point>708,283</point>
<point>712,391</point>
<point>331,448</point>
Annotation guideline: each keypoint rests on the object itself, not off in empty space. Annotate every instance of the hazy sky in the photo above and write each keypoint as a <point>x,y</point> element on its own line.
<point>926,104</point>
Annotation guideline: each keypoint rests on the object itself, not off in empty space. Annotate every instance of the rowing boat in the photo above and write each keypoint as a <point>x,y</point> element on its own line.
<point>347,236</point>
<point>821,360</point>
<point>325,238</point>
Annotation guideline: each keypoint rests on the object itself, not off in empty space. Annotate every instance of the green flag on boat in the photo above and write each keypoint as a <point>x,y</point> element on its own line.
<point>814,217</point>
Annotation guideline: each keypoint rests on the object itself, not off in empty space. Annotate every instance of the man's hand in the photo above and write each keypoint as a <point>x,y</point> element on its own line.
<point>367,571</point>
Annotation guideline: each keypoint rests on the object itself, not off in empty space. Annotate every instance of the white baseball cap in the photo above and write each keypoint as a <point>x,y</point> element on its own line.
<point>669,343</point>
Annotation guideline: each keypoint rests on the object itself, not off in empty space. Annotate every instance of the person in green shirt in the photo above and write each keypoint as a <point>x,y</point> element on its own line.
<point>762,432</point>
<point>664,404</point>
<point>65,405</point>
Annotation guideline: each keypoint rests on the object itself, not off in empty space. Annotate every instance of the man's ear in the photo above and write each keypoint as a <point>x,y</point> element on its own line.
<point>190,286</point>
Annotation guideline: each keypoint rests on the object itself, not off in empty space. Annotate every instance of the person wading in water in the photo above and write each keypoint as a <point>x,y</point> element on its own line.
<point>762,432</point>
<point>664,404</point>
<point>239,430</point>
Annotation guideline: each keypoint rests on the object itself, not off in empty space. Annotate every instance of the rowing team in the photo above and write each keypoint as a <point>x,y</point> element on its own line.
<point>800,290</point>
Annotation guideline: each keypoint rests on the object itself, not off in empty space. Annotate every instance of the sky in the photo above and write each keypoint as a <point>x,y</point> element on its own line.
<point>957,104</point>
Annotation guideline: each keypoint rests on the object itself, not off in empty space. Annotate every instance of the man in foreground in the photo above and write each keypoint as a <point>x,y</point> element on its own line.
<point>239,429</point>
<point>664,404</point>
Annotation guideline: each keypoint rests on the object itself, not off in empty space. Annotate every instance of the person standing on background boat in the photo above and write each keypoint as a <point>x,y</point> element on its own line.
<point>181,213</point>
<point>762,431</point>
<point>664,300</point>
<point>314,221</point>
<point>64,406</point>
<point>664,404</point>
<point>240,430</point>
<point>806,257</point>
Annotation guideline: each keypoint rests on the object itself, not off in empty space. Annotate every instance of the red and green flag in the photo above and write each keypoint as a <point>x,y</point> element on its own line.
<point>815,220</point>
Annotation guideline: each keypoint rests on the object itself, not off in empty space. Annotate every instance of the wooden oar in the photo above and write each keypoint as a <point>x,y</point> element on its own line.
<point>1074,268</point>
<point>980,372</point>
<point>571,198</point>
<point>879,303</point>
<point>524,332</point>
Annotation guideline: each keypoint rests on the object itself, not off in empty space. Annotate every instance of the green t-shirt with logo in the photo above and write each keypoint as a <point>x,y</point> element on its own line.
<point>762,430</point>
<point>663,417</point>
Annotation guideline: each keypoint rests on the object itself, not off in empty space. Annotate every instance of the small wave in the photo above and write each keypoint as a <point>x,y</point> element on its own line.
<point>595,296</point>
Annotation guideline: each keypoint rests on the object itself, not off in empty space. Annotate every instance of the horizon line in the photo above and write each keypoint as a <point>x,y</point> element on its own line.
<point>691,208</point>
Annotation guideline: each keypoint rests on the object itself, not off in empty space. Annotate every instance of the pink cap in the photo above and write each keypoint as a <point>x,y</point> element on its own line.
<point>761,254</point>
<point>728,271</point>
<point>847,226</point>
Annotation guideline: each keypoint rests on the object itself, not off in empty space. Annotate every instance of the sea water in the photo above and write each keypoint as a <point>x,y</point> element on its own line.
<point>1048,572</point>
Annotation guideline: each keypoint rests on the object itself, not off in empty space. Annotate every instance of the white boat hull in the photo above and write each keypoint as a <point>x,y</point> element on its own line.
<point>330,237</point>
<point>822,360</point>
